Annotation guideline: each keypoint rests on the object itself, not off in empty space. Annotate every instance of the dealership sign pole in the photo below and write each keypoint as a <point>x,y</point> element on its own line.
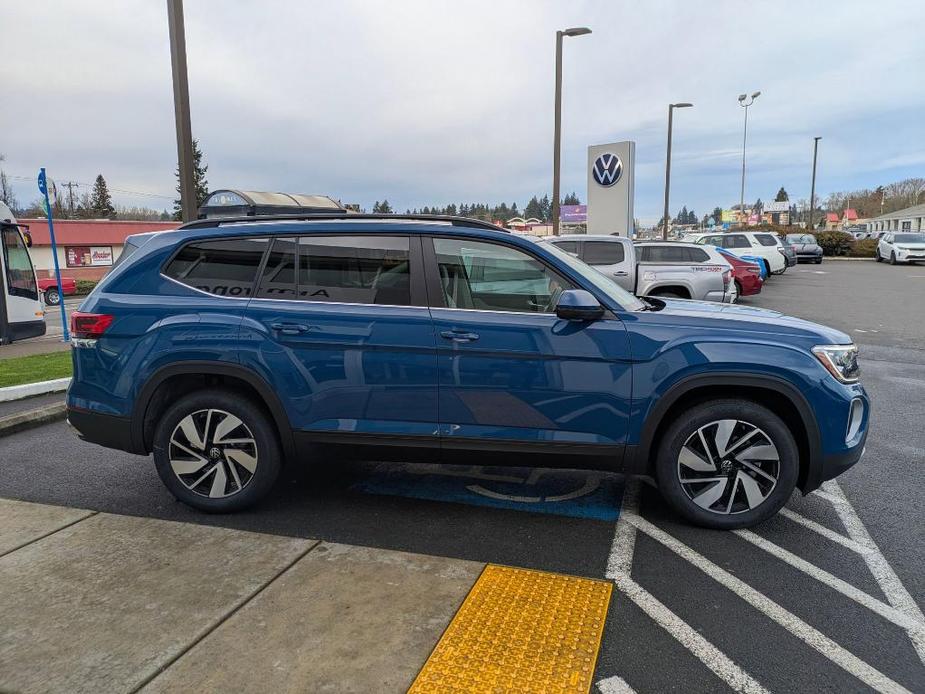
<point>43,189</point>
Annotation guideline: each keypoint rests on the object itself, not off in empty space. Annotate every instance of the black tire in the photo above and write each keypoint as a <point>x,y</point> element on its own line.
<point>738,288</point>
<point>818,261</point>
<point>257,427</point>
<point>877,256</point>
<point>52,298</point>
<point>893,258</point>
<point>747,414</point>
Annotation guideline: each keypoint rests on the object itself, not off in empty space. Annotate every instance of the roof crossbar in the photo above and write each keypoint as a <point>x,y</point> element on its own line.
<point>346,216</point>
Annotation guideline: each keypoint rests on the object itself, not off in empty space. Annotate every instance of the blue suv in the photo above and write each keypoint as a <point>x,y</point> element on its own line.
<point>229,348</point>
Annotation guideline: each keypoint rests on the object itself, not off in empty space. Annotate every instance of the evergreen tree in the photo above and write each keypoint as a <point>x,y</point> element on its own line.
<point>100,199</point>
<point>451,209</point>
<point>200,184</point>
<point>682,216</point>
<point>533,209</point>
<point>692,217</point>
<point>759,206</point>
<point>718,215</point>
<point>545,208</point>
<point>571,199</point>
<point>382,207</point>
<point>782,196</point>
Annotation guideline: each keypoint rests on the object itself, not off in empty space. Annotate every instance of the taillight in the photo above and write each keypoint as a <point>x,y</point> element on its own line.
<point>754,269</point>
<point>90,325</point>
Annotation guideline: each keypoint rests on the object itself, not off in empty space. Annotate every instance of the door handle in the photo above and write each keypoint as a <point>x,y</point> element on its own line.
<point>620,273</point>
<point>290,328</point>
<point>459,336</point>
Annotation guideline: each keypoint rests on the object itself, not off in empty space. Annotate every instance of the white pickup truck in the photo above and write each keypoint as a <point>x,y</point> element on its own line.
<point>655,268</point>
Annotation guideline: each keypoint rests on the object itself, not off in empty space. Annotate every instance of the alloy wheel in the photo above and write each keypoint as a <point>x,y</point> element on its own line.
<point>728,466</point>
<point>213,453</point>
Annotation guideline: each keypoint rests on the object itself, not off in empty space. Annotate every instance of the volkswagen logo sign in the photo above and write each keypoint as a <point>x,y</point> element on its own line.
<point>607,169</point>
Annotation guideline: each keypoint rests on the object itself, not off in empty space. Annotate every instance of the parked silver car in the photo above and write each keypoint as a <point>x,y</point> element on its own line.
<point>655,268</point>
<point>806,248</point>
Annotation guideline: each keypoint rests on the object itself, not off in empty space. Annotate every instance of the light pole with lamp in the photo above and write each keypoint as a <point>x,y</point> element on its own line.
<point>745,101</point>
<point>671,108</point>
<point>557,131</point>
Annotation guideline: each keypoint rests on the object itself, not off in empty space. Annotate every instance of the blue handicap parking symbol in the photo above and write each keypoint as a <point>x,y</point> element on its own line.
<point>578,494</point>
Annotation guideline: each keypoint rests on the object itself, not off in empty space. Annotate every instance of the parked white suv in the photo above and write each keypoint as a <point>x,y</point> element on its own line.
<point>901,247</point>
<point>763,244</point>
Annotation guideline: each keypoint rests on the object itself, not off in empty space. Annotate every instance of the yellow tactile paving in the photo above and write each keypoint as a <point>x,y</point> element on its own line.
<point>520,631</point>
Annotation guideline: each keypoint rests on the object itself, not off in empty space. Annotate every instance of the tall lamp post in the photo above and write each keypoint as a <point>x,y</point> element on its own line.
<point>745,101</point>
<point>671,108</point>
<point>812,192</point>
<point>557,134</point>
<point>181,108</point>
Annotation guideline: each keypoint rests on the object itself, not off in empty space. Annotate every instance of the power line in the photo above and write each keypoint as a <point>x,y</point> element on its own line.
<point>90,185</point>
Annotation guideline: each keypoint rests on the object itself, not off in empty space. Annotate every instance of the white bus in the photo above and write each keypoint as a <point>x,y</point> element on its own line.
<point>22,313</point>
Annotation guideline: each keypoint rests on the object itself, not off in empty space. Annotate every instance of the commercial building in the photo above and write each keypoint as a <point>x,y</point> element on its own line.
<point>908,219</point>
<point>87,248</point>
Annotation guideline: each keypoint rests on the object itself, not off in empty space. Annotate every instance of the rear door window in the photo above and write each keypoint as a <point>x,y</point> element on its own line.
<point>567,246</point>
<point>355,269</point>
<point>224,267</point>
<point>766,239</point>
<point>736,241</point>
<point>603,252</point>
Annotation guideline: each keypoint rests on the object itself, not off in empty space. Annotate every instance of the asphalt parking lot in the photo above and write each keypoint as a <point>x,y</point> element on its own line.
<point>825,597</point>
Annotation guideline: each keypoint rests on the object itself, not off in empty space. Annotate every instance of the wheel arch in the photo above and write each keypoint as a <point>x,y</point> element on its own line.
<point>775,393</point>
<point>175,380</point>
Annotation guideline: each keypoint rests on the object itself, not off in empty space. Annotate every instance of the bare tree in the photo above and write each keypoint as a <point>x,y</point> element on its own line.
<point>6,190</point>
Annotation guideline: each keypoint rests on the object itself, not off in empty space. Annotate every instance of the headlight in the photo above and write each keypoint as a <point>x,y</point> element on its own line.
<point>839,360</point>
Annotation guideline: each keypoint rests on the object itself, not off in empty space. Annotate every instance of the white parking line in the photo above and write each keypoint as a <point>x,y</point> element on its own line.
<point>825,532</point>
<point>619,566</point>
<point>814,638</point>
<point>886,611</point>
<point>886,578</point>
<point>615,685</point>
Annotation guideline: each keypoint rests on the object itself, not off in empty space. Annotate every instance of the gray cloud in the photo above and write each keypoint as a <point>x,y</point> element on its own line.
<point>426,102</point>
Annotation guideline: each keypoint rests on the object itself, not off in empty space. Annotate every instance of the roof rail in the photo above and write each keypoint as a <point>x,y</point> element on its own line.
<point>348,216</point>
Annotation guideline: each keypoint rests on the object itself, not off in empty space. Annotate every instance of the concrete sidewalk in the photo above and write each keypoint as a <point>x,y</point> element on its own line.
<point>93,602</point>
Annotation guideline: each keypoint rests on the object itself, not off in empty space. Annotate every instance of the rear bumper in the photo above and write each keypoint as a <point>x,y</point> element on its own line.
<point>102,429</point>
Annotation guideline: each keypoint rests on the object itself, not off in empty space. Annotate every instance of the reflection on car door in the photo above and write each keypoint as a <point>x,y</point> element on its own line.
<point>343,320</point>
<point>509,369</point>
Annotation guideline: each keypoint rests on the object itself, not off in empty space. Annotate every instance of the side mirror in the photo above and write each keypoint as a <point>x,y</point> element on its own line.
<point>578,304</point>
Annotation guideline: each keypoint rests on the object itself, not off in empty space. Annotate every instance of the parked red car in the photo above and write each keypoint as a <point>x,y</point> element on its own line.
<point>49,287</point>
<point>747,275</point>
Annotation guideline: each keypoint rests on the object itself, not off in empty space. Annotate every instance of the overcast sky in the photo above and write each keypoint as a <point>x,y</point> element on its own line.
<point>449,101</point>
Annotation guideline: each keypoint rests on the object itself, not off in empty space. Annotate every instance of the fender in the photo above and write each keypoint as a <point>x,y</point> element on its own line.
<point>270,398</point>
<point>809,479</point>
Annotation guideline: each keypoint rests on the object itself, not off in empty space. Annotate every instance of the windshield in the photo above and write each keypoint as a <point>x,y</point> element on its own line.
<point>622,297</point>
<point>801,238</point>
<point>909,238</point>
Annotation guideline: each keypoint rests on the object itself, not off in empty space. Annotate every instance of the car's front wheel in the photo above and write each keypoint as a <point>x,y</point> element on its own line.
<point>893,258</point>
<point>216,451</point>
<point>727,464</point>
<point>52,298</point>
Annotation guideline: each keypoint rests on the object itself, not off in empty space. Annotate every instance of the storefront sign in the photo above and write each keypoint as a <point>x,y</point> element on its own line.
<point>88,256</point>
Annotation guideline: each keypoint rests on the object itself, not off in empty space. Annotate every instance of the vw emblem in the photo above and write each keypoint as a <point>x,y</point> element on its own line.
<point>607,169</point>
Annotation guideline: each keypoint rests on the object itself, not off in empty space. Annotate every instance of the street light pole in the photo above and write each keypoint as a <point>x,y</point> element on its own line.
<point>671,108</point>
<point>181,108</point>
<point>812,191</point>
<point>557,128</point>
<point>745,101</point>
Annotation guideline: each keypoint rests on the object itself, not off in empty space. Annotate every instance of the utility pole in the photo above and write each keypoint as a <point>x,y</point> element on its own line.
<point>70,185</point>
<point>181,108</point>
<point>812,194</point>
<point>557,126</point>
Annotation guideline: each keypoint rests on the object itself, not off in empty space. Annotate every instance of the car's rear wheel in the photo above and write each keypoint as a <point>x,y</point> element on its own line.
<point>877,256</point>
<point>52,298</point>
<point>727,464</point>
<point>893,258</point>
<point>738,288</point>
<point>216,451</point>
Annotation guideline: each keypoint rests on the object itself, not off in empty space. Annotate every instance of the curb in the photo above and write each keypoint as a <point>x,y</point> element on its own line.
<point>27,390</point>
<point>32,418</point>
<point>841,257</point>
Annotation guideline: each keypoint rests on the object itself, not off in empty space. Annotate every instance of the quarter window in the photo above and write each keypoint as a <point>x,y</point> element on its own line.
<point>766,239</point>
<point>603,252</point>
<point>20,277</point>
<point>491,277</point>
<point>224,267</point>
<point>698,255</point>
<point>568,246</point>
